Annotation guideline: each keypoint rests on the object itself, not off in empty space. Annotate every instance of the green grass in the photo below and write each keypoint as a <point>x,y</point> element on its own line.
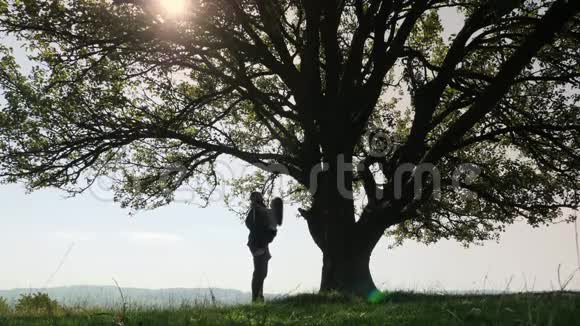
<point>396,309</point>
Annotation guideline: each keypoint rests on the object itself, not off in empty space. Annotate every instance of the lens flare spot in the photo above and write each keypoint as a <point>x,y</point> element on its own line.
<point>376,297</point>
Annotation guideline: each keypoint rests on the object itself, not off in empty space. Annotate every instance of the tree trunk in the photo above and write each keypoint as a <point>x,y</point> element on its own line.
<point>348,273</point>
<point>346,246</point>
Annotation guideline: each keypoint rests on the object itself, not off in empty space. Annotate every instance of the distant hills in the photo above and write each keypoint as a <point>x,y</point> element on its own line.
<point>108,296</point>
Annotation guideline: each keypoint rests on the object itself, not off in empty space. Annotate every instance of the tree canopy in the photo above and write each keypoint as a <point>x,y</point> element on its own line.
<point>119,89</point>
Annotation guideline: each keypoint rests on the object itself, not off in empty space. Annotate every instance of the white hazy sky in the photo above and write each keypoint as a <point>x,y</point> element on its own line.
<point>183,246</point>
<point>46,240</point>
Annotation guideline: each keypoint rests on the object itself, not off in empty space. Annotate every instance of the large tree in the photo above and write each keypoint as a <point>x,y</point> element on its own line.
<point>124,89</point>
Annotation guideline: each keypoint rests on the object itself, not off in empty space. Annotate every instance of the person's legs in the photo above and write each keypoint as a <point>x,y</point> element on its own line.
<point>264,274</point>
<point>260,273</point>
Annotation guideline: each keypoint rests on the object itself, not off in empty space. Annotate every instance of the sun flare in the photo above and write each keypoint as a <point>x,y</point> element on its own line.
<point>174,7</point>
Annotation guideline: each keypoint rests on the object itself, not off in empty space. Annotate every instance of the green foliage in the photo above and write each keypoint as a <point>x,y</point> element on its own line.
<point>4,307</point>
<point>426,37</point>
<point>399,309</point>
<point>37,303</point>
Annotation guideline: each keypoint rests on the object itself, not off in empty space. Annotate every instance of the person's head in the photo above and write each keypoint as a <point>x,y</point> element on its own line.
<point>256,198</point>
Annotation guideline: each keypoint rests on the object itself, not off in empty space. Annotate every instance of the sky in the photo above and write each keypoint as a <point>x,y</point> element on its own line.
<point>47,240</point>
<point>94,241</point>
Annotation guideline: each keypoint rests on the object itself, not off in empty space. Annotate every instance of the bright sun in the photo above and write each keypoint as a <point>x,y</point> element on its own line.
<point>174,7</point>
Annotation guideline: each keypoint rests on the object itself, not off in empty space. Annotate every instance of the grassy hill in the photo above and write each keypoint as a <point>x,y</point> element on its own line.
<point>395,309</point>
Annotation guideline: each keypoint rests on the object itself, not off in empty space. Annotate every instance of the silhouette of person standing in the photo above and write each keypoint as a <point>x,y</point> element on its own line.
<point>262,225</point>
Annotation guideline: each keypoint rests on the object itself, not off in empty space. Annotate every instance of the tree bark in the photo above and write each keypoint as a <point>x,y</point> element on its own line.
<point>346,247</point>
<point>347,273</point>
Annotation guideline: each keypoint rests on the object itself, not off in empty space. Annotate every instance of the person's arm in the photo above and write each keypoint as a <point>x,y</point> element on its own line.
<point>264,233</point>
<point>259,227</point>
<point>249,220</point>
